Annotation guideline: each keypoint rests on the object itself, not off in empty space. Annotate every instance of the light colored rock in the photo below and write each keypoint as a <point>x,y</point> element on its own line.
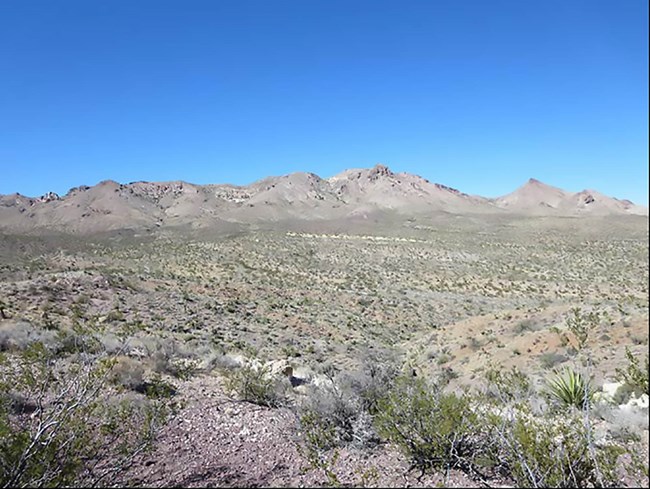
<point>274,368</point>
<point>321,381</point>
<point>280,368</point>
<point>610,388</point>
<point>608,393</point>
<point>636,403</point>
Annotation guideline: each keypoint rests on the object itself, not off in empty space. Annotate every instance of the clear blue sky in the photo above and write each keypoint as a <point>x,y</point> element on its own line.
<point>477,94</point>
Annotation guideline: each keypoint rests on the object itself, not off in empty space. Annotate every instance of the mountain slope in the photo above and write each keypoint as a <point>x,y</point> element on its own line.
<point>304,196</point>
<point>537,198</point>
<point>533,196</point>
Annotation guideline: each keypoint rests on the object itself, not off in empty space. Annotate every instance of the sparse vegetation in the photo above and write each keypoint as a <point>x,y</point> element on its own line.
<point>393,333</point>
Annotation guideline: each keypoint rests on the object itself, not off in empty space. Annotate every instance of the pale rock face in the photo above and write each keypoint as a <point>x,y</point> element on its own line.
<point>610,389</point>
<point>321,381</point>
<point>275,368</point>
<point>238,360</point>
<point>608,394</point>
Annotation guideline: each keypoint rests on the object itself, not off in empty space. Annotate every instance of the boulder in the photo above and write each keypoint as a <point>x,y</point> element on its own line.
<point>279,368</point>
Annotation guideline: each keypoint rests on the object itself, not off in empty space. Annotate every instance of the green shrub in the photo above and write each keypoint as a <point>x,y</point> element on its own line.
<point>437,430</point>
<point>157,388</point>
<point>339,410</point>
<point>581,325</point>
<point>634,375</point>
<point>128,373</point>
<point>526,325</point>
<point>374,379</point>
<point>537,447</point>
<point>336,413</point>
<point>255,384</point>
<point>319,438</point>
<point>115,315</point>
<point>77,339</point>
<point>69,428</point>
<point>555,452</point>
<point>168,356</point>
<point>508,386</point>
<point>551,359</point>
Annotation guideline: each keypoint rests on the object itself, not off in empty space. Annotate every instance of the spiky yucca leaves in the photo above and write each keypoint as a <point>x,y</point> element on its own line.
<point>570,388</point>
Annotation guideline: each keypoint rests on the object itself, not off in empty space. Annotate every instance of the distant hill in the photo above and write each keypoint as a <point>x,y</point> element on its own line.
<point>535,197</point>
<point>353,193</point>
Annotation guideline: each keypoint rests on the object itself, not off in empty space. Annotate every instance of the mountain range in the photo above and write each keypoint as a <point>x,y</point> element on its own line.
<point>298,196</point>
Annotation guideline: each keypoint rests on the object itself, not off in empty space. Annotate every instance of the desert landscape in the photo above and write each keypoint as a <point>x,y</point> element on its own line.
<point>368,329</point>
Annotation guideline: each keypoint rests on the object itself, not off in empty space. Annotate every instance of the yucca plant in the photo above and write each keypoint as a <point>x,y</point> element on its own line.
<point>570,388</point>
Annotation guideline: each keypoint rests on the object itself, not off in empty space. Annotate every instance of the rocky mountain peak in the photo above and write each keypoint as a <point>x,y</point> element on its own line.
<point>379,171</point>
<point>49,197</point>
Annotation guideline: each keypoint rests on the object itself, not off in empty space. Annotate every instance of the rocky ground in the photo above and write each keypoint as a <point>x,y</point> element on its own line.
<point>216,441</point>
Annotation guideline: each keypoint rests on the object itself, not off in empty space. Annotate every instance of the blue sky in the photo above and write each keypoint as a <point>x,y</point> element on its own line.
<point>477,94</point>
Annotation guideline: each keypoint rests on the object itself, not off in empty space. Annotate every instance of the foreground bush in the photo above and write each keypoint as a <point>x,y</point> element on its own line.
<point>437,430</point>
<point>555,452</point>
<point>507,432</point>
<point>62,425</point>
<point>541,447</point>
<point>374,379</point>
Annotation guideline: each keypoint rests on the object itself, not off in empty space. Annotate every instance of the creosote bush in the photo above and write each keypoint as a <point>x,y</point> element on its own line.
<point>61,424</point>
<point>254,383</point>
<point>373,380</point>
<point>338,410</point>
<point>506,431</point>
<point>320,444</point>
<point>507,386</point>
<point>555,452</point>
<point>540,447</point>
<point>581,324</point>
<point>128,373</point>
<point>436,429</point>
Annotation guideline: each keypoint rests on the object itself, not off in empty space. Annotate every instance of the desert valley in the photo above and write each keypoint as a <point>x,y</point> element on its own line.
<point>369,329</point>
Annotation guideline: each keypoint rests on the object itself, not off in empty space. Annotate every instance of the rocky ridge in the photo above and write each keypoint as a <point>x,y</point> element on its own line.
<point>110,205</point>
